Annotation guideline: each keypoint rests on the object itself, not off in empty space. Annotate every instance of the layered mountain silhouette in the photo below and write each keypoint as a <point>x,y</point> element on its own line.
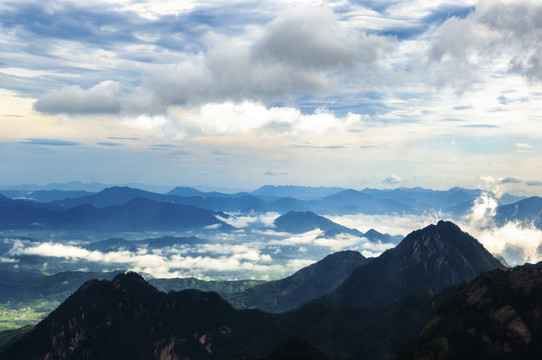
<point>184,191</point>
<point>497,316</point>
<point>455,201</point>
<point>43,195</point>
<point>137,214</point>
<point>333,201</point>
<point>296,192</point>
<point>116,195</point>
<point>528,211</point>
<point>298,222</point>
<point>184,196</point>
<point>427,260</point>
<point>306,284</point>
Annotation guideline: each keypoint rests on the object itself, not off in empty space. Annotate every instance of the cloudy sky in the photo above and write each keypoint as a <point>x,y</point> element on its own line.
<point>367,93</point>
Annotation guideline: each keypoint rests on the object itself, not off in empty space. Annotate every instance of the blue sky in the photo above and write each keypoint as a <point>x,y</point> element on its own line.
<point>246,93</point>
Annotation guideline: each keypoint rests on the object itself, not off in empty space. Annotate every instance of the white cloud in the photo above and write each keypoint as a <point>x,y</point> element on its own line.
<point>345,241</point>
<point>101,98</point>
<point>338,243</point>
<point>397,224</point>
<point>300,239</point>
<point>218,260</point>
<point>245,220</point>
<point>392,180</point>
<point>515,241</point>
<point>233,118</point>
<point>296,264</point>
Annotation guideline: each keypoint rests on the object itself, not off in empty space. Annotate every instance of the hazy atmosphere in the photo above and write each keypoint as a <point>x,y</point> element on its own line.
<point>240,94</point>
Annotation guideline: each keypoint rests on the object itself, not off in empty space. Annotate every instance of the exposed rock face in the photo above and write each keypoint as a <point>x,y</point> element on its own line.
<point>427,260</point>
<point>498,316</point>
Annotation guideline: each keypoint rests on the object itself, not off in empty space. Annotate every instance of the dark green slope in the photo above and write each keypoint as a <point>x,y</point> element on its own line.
<point>307,284</point>
<point>8,337</point>
<point>497,316</point>
<point>297,348</point>
<point>361,333</point>
<point>129,319</point>
<point>224,288</point>
<point>427,260</point>
<point>55,287</point>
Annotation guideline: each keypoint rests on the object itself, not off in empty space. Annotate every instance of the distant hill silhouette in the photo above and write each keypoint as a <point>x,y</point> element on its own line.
<point>528,211</point>
<point>299,222</point>
<point>135,215</point>
<point>297,192</point>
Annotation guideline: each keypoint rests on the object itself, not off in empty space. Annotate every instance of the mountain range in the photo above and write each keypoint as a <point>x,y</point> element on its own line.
<point>370,315</point>
<point>134,215</point>
<point>331,201</point>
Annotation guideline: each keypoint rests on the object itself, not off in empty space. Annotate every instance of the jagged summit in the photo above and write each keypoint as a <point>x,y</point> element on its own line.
<point>427,260</point>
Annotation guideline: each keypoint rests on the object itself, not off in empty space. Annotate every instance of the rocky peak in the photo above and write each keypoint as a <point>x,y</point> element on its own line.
<point>427,260</point>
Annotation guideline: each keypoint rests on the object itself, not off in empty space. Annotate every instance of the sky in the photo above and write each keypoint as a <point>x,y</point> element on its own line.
<point>240,94</point>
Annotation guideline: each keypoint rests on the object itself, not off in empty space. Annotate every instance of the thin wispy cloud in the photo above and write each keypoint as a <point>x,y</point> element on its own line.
<point>49,142</point>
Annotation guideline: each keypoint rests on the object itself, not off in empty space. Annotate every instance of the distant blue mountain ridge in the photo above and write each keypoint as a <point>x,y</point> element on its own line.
<point>455,202</point>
